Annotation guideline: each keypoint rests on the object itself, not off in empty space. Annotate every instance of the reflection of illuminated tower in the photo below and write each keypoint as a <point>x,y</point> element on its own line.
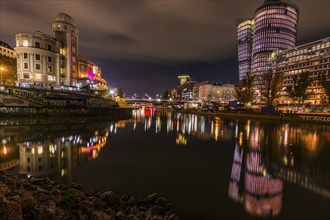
<point>65,31</point>
<point>263,195</point>
<point>236,175</point>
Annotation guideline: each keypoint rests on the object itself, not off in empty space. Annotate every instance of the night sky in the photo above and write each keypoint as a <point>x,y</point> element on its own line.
<point>142,46</point>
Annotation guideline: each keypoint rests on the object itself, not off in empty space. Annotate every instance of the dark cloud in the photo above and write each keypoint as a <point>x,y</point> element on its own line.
<point>131,39</point>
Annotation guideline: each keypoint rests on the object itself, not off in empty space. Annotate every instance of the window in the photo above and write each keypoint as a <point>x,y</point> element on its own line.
<point>38,76</point>
<point>49,47</point>
<point>25,55</point>
<point>65,27</point>
<point>51,78</point>
<point>37,56</point>
<point>49,68</point>
<point>26,66</point>
<point>26,76</point>
<point>82,67</point>
<point>50,59</point>
<point>28,159</point>
<point>25,43</point>
<point>37,44</point>
<point>73,49</point>
<point>17,65</point>
<point>38,66</point>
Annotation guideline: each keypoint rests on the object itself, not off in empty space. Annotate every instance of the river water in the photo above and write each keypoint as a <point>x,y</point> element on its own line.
<point>208,167</point>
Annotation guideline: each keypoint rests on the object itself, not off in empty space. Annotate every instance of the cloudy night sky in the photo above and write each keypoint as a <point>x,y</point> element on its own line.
<point>142,46</point>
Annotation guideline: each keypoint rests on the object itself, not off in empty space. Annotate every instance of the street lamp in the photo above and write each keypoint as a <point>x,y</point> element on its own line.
<point>1,69</point>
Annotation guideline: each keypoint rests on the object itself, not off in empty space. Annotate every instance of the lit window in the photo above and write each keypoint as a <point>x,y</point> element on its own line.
<point>25,43</point>
<point>38,76</point>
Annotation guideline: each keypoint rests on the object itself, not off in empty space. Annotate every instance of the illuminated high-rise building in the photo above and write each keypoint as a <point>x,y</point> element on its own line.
<point>66,32</point>
<point>275,27</point>
<point>244,47</point>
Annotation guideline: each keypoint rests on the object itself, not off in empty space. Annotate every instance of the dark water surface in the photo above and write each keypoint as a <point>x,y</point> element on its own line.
<point>208,167</point>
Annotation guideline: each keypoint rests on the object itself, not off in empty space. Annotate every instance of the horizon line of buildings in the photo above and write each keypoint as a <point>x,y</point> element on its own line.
<point>191,90</point>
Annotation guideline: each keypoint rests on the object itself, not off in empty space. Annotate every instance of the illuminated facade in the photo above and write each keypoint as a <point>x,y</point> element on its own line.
<point>206,91</point>
<point>90,74</point>
<point>6,50</point>
<point>185,91</point>
<point>183,79</point>
<point>314,58</point>
<point>244,41</point>
<point>274,27</point>
<point>38,60</point>
<point>65,31</point>
<point>47,61</point>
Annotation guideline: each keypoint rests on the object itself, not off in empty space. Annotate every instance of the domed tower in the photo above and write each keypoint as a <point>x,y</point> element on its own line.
<point>275,27</point>
<point>66,32</point>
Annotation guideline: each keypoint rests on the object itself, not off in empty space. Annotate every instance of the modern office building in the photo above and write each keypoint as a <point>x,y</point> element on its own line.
<point>6,50</point>
<point>312,57</point>
<point>185,91</point>
<point>274,28</point>
<point>244,47</point>
<point>183,79</point>
<point>38,60</point>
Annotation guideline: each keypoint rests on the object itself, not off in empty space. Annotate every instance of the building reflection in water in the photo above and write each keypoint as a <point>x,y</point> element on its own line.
<point>41,151</point>
<point>264,157</point>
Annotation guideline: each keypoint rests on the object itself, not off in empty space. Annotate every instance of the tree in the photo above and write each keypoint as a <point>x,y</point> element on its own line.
<point>324,80</point>
<point>244,91</point>
<point>297,91</point>
<point>272,88</point>
<point>9,74</point>
<point>166,94</point>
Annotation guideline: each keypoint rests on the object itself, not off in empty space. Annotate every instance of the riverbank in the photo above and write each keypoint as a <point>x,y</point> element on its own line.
<point>289,117</point>
<point>42,198</point>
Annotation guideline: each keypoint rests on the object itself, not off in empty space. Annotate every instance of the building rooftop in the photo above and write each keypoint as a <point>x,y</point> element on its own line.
<point>3,44</point>
<point>62,17</point>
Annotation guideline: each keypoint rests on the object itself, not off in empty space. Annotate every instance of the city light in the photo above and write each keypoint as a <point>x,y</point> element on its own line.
<point>2,69</point>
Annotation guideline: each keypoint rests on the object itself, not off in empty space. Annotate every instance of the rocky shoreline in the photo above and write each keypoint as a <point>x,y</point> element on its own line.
<point>42,198</point>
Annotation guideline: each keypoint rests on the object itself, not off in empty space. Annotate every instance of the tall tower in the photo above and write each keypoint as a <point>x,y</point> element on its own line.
<point>244,46</point>
<point>65,31</point>
<point>275,27</point>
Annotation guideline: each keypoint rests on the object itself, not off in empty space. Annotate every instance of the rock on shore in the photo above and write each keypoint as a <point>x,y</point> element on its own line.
<point>42,198</point>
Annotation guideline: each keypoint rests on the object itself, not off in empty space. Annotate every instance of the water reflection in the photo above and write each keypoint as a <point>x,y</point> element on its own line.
<point>266,157</point>
<point>53,149</point>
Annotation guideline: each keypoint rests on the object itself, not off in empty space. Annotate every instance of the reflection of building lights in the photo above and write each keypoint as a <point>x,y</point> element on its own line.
<point>5,150</point>
<point>181,140</point>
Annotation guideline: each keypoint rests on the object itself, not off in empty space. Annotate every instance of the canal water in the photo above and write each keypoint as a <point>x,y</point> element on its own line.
<point>208,167</point>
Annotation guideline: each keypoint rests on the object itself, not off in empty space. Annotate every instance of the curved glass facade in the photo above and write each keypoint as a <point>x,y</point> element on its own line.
<point>275,28</point>
<point>244,41</point>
